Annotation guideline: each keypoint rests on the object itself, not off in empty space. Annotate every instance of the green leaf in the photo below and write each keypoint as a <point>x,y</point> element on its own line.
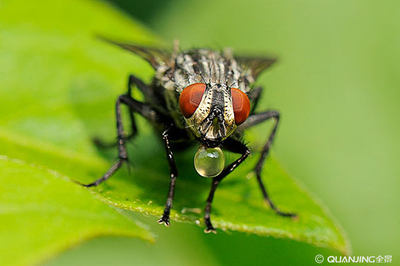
<point>42,213</point>
<point>58,92</point>
<point>238,203</point>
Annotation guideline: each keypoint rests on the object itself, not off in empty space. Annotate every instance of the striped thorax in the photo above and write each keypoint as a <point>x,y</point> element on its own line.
<point>200,84</point>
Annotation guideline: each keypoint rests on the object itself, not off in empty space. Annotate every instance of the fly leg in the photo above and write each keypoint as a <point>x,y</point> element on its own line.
<point>173,175</point>
<point>135,106</point>
<point>233,146</point>
<point>255,96</point>
<point>252,121</point>
<point>133,80</point>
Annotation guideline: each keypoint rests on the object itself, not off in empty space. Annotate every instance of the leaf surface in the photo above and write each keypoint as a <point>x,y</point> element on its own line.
<point>43,44</point>
<point>42,213</point>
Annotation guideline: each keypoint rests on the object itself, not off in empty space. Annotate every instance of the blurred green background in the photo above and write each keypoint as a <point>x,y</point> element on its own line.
<point>337,87</point>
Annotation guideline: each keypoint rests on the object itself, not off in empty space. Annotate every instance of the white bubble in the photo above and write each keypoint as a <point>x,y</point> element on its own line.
<point>209,162</point>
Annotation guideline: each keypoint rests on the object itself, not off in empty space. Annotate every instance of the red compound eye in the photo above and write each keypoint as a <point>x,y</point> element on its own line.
<point>241,105</point>
<point>190,98</point>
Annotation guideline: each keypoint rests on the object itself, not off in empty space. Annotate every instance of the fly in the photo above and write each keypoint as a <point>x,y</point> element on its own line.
<point>197,96</point>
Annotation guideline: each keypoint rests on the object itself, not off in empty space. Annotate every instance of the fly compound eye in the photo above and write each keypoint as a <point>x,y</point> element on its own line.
<point>241,105</point>
<point>190,98</point>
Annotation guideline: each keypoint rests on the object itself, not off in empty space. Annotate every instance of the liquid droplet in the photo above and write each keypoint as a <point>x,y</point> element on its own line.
<point>209,162</point>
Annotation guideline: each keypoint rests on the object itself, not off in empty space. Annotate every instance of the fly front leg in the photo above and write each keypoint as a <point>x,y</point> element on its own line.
<point>138,107</point>
<point>122,154</point>
<point>132,81</point>
<point>173,175</point>
<point>254,97</point>
<point>233,146</point>
<point>252,121</point>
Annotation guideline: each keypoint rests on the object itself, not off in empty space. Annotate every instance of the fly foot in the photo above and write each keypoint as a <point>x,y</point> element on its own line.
<point>164,220</point>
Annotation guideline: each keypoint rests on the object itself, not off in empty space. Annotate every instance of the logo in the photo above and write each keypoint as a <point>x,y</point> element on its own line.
<point>354,259</point>
<point>319,258</point>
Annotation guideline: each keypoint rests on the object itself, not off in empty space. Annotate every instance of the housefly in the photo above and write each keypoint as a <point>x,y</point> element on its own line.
<point>197,96</point>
